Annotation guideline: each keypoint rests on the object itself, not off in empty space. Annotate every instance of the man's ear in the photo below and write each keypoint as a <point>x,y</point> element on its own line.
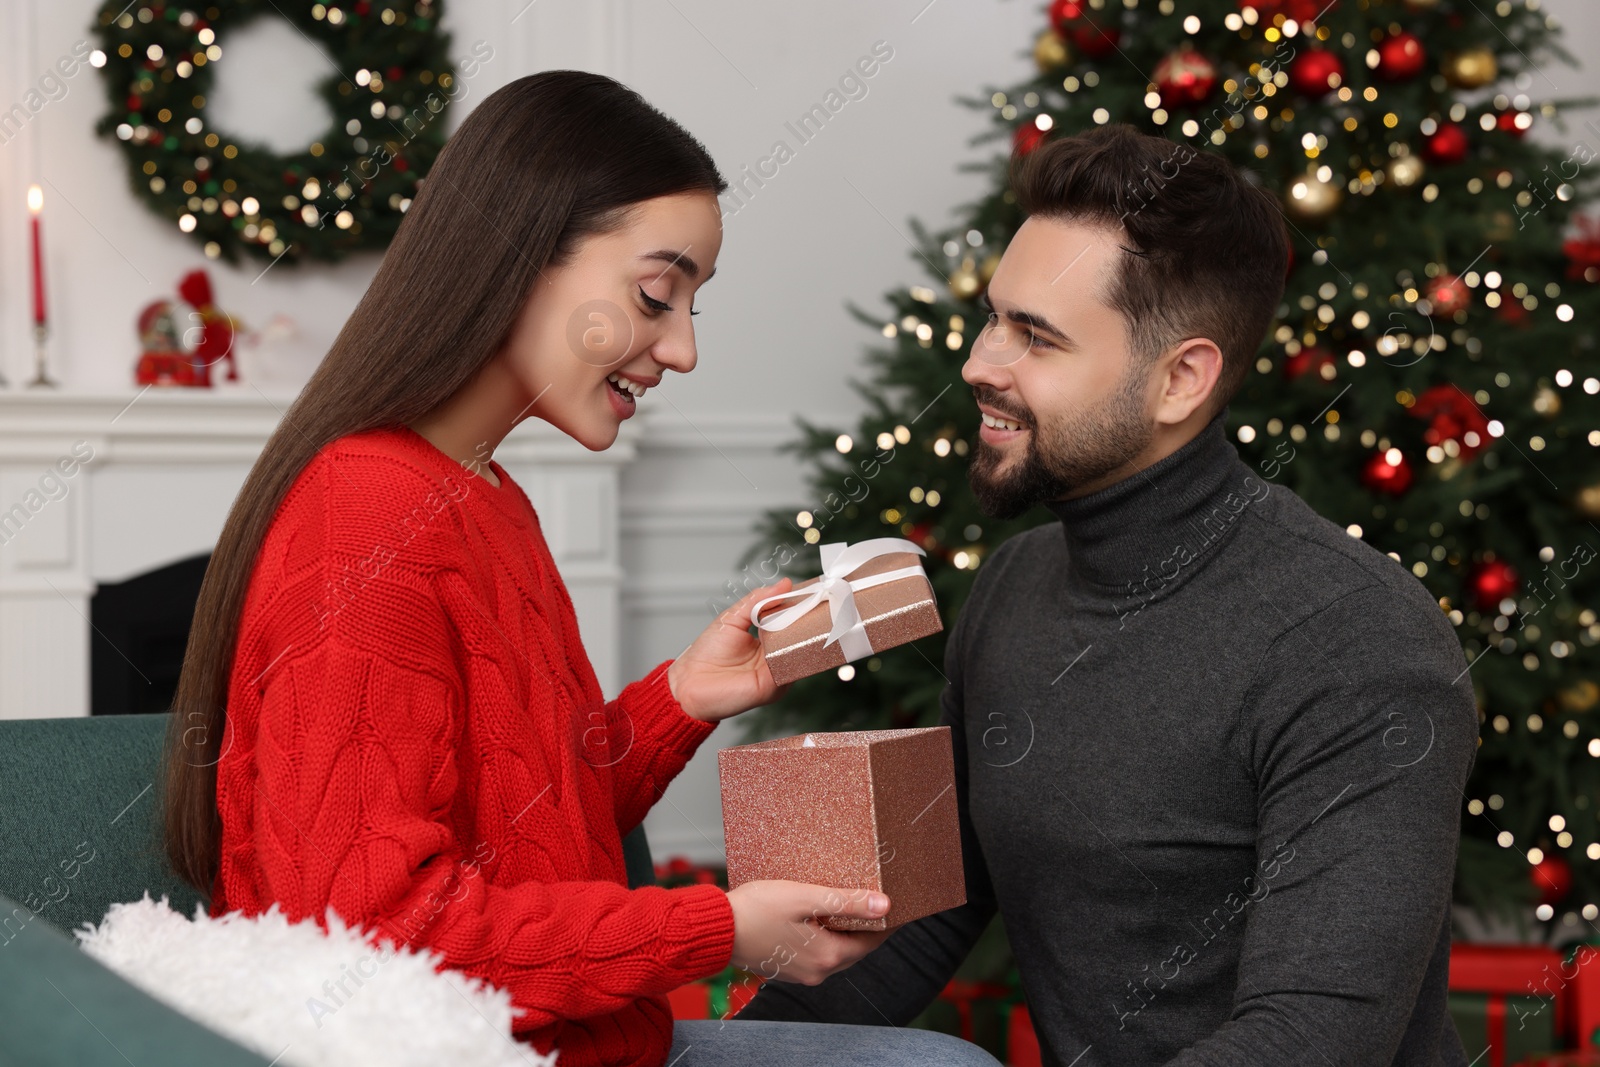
<point>1191,370</point>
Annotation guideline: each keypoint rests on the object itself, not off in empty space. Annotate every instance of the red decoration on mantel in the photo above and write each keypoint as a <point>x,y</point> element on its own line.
<point>35,206</point>
<point>216,330</point>
<point>164,359</point>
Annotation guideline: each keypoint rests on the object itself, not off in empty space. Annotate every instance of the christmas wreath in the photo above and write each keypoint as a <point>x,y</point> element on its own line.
<point>345,192</point>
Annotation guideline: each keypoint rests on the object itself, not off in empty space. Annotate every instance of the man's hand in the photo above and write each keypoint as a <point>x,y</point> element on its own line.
<point>778,931</point>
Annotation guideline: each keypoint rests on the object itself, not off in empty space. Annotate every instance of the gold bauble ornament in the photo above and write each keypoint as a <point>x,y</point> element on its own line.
<point>1050,51</point>
<point>1582,695</point>
<point>1472,69</point>
<point>1547,402</point>
<point>1405,171</point>
<point>1310,199</point>
<point>964,281</point>
<point>1421,5</point>
<point>991,263</point>
<point>1587,502</point>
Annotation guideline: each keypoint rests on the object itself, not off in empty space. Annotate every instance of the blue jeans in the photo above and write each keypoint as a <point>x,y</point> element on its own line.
<point>719,1043</point>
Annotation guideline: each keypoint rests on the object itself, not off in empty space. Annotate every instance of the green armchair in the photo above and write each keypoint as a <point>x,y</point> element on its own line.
<point>80,829</point>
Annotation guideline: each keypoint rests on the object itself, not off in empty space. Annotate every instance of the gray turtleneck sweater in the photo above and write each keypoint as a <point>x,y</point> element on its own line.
<point>1210,752</point>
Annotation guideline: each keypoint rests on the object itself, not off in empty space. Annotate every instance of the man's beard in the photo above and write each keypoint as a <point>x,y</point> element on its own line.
<point>1062,456</point>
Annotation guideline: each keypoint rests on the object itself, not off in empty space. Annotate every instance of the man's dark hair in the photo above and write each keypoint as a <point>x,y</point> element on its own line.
<point>1210,247</point>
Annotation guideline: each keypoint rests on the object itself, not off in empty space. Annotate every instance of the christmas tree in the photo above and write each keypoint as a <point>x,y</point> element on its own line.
<point>1429,384</point>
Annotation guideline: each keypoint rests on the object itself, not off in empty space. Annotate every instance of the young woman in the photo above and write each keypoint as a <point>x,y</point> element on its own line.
<point>385,708</point>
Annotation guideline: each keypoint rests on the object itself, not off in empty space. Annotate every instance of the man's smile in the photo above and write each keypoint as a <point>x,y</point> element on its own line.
<point>999,428</point>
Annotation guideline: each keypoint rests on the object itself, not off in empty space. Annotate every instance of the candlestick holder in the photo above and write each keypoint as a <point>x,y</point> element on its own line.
<point>40,378</point>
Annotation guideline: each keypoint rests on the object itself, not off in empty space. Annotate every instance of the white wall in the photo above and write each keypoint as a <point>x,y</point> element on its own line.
<point>775,339</point>
<point>804,245</point>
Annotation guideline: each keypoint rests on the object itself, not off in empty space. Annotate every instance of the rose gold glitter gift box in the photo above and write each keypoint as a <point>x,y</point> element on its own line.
<point>870,809</point>
<point>871,596</point>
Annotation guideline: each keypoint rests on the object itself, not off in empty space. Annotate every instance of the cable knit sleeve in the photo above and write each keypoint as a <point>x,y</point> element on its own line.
<point>657,738</point>
<point>357,766</point>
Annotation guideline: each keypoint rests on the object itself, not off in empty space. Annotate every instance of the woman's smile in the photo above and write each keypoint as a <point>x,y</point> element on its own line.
<point>625,392</point>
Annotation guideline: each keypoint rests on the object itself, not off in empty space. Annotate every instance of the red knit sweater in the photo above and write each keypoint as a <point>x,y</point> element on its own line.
<point>415,738</point>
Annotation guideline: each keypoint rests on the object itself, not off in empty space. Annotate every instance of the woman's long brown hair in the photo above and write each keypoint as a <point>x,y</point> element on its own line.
<point>538,164</point>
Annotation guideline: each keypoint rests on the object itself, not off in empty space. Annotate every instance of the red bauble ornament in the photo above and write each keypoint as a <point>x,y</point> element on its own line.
<point>1095,38</point>
<point>1448,294</point>
<point>1027,137</point>
<point>1582,250</point>
<point>1508,123</point>
<point>1307,361</point>
<point>1401,56</point>
<point>1513,313</point>
<point>1491,583</point>
<point>1185,76</point>
<point>1382,476</point>
<point>1453,416</point>
<point>1093,34</point>
<point>921,534</point>
<point>1447,144</point>
<point>1064,13</point>
<point>1552,877</point>
<point>1299,10</point>
<point>1316,73</point>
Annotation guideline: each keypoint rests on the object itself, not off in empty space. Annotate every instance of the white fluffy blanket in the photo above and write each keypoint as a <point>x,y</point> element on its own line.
<point>308,999</point>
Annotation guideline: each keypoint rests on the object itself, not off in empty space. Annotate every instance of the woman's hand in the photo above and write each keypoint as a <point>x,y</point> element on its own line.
<point>723,672</point>
<point>778,932</point>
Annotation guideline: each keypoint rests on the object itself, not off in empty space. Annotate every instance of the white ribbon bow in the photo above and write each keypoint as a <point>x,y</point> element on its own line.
<point>838,561</point>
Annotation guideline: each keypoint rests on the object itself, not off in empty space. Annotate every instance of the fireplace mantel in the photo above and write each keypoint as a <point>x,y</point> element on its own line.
<point>152,475</point>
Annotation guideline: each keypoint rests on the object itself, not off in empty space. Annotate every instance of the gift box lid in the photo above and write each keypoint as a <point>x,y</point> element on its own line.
<point>826,739</point>
<point>879,607</point>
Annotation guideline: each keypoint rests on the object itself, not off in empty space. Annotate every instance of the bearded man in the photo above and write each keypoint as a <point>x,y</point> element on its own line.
<point>1210,746</point>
